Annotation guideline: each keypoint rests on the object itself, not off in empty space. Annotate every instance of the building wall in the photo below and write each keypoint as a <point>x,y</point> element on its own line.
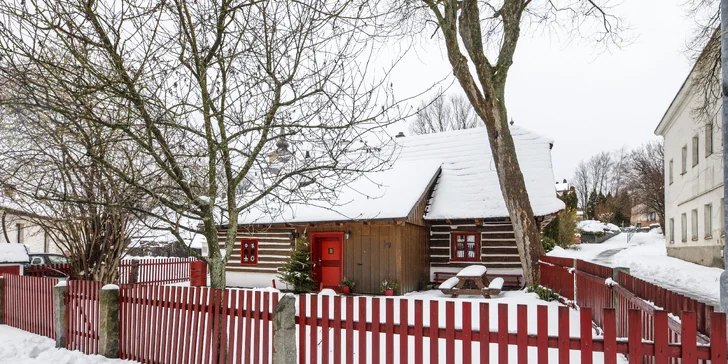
<point>22,231</point>
<point>642,217</point>
<point>374,252</point>
<point>700,185</point>
<point>498,251</point>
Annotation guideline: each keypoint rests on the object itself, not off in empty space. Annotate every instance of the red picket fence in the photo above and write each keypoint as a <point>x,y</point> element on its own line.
<point>82,313</point>
<point>177,324</point>
<point>365,329</point>
<point>555,275</point>
<point>28,304</point>
<point>155,271</point>
<point>596,289</point>
<point>48,270</point>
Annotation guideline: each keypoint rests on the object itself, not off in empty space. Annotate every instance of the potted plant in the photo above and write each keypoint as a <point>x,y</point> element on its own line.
<point>388,287</point>
<point>347,285</point>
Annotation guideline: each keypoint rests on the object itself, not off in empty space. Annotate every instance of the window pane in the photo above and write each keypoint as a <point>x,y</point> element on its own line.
<point>684,227</point>
<point>670,170</point>
<point>708,220</point>
<point>672,230</point>
<point>708,139</point>
<point>694,223</point>
<point>695,151</point>
<point>684,159</point>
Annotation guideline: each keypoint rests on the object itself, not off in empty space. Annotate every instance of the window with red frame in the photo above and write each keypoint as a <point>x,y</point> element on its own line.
<point>249,251</point>
<point>465,247</point>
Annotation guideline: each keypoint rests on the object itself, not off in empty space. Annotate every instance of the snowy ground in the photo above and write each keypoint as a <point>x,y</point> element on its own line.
<point>21,347</point>
<point>646,257</point>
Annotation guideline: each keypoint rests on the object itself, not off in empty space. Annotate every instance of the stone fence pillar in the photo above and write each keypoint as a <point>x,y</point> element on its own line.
<point>59,313</point>
<point>284,328</point>
<point>109,321</point>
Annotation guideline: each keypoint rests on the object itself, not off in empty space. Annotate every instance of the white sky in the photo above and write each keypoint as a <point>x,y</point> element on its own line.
<point>584,99</point>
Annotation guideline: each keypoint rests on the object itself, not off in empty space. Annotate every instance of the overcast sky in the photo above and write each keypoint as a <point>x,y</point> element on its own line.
<point>585,100</point>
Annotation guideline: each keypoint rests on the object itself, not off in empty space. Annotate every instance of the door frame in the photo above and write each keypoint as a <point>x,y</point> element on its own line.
<point>316,249</point>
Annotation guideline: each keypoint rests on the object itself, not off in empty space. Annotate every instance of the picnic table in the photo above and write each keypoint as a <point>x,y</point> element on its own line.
<point>472,276</point>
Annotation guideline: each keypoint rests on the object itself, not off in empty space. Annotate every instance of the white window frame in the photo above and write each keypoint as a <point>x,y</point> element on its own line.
<point>670,170</point>
<point>672,231</point>
<point>684,159</point>
<point>684,227</point>
<point>708,139</point>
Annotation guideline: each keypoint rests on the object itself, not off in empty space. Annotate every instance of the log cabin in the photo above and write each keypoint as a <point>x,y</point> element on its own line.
<point>439,208</point>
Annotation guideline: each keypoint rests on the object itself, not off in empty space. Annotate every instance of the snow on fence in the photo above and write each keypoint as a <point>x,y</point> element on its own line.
<point>400,330</point>
<point>684,320</point>
<point>155,271</point>
<point>82,313</point>
<point>176,324</point>
<point>28,303</point>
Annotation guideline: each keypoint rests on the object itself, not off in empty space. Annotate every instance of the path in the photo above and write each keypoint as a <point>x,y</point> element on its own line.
<point>646,257</point>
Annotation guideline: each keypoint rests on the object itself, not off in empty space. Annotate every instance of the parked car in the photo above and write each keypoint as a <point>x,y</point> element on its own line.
<point>47,258</point>
<point>47,265</point>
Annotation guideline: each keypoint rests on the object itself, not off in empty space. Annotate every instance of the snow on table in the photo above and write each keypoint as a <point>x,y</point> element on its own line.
<point>646,257</point>
<point>473,271</point>
<point>22,347</point>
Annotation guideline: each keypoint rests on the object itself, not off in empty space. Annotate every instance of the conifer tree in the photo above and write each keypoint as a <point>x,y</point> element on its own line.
<point>298,270</point>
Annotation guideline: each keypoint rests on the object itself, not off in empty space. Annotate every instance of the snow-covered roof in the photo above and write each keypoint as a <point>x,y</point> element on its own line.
<point>468,186</point>
<point>13,253</point>
<point>388,194</point>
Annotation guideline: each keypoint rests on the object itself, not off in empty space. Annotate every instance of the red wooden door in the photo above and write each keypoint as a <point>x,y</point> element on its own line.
<point>326,251</point>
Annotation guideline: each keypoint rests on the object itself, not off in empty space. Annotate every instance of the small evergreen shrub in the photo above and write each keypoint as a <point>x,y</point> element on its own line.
<point>543,293</point>
<point>548,244</point>
<point>298,270</point>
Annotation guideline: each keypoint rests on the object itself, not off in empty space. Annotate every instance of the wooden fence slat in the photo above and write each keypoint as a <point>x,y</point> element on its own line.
<point>542,333</point>
<point>325,329</point>
<point>522,333</point>
<point>434,331</point>
<point>418,354</point>
<point>450,332</point>
<point>484,332</point>
<point>467,334</point>
<point>610,336</point>
<point>337,330</point>
<point>718,338</point>
<point>564,334</point>
<point>502,333</point>
<point>362,335</point>
<point>389,336</point>
<point>302,314</point>
<point>635,336</point>
<point>689,338</point>
<point>376,319</point>
<point>661,337</point>
<point>585,331</point>
<point>349,331</point>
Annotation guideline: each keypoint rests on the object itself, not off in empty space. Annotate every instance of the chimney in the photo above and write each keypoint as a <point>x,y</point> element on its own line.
<point>400,135</point>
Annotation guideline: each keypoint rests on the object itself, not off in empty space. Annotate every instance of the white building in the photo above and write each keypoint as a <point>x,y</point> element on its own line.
<point>693,179</point>
<point>15,229</point>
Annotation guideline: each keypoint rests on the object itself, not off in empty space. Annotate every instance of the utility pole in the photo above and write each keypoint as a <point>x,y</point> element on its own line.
<point>724,114</point>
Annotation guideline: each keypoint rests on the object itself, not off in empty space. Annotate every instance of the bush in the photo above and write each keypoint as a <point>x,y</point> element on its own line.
<point>543,293</point>
<point>548,244</point>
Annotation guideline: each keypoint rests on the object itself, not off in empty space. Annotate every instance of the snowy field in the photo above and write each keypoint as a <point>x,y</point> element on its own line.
<point>646,257</point>
<point>22,347</point>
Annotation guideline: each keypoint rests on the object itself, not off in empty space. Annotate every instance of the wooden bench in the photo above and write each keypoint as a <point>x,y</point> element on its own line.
<point>511,280</point>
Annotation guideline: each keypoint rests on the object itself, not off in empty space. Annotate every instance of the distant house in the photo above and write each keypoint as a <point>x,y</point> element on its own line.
<point>641,216</point>
<point>562,187</point>
<point>17,227</point>
<point>693,179</point>
<point>438,209</point>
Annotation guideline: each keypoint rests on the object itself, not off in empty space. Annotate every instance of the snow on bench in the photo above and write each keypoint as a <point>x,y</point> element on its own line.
<point>449,283</point>
<point>472,271</point>
<point>496,284</point>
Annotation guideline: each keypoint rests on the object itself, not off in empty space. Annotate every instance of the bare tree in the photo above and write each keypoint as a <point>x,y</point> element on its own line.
<point>601,172</point>
<point>58,187</point>
<point>444,113</point>
<point>582,183</point>
<point>704,48</point>
<point>235,108</point>
<point>647,178</point>
<point>481,38</point>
